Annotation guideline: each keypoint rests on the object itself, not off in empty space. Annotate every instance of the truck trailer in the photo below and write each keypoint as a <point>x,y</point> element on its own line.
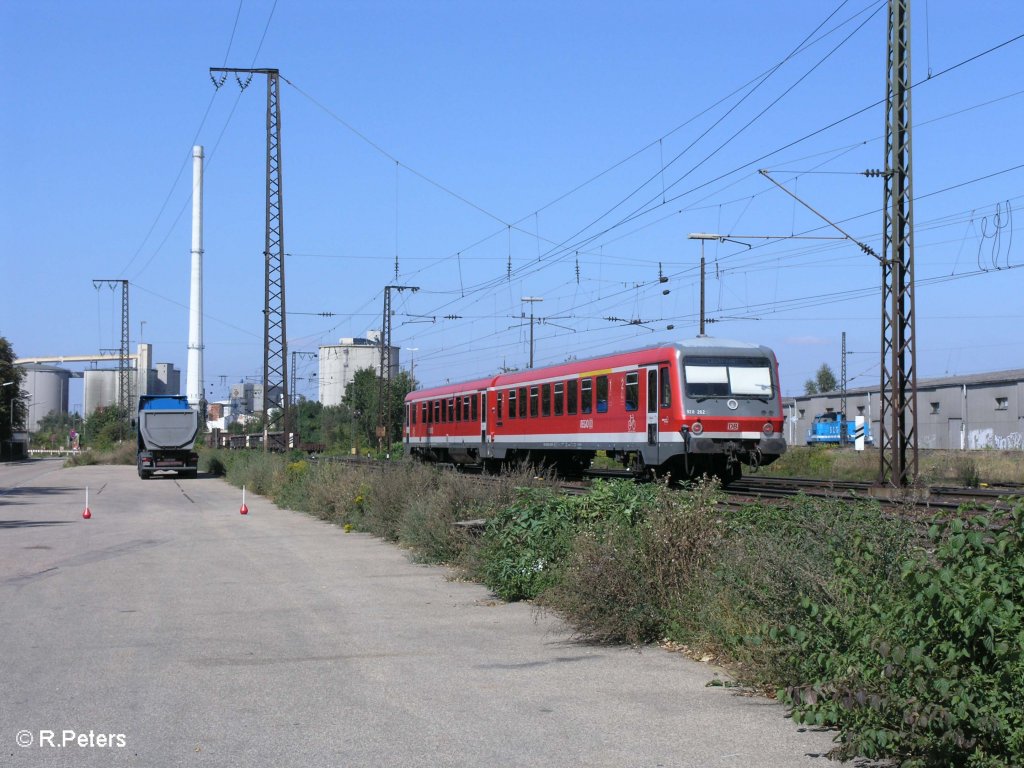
<point>167,431</point>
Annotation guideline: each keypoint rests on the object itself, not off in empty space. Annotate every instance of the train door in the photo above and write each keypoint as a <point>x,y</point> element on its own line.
<point>652,410</point>
<point>483,423</point>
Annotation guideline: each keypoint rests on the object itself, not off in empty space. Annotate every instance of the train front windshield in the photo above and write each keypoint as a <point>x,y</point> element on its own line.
<point>728,377</point>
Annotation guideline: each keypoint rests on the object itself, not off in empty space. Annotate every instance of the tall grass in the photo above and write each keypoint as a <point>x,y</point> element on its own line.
<point>968,468</point>
<point>121,453</point>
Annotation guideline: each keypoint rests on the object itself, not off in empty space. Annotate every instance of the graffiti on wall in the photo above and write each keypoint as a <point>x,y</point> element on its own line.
<point>978,439</point>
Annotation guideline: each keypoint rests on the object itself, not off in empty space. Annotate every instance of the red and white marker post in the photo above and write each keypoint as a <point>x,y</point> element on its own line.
<point>244,509</point>
<point>86,513</point>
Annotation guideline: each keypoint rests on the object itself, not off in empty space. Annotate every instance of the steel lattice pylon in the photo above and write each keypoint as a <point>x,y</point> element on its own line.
<point>124,374</point>
<point>275,338</point>
<point>275,353</point>
<point>384,426</point>
<point>898,418</point>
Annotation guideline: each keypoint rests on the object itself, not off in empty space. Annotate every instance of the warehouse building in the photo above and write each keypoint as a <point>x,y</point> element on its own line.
<point>974,412</point>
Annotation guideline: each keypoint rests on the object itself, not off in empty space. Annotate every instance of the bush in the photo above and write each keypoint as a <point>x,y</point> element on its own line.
<point>632,568</point>
<point>929,669</point>
<point>525,543</point>
<point>212,462</point>
<point>257,471</point>
<point>118,453</point>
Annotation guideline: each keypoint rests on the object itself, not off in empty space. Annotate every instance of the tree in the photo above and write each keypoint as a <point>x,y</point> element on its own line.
<point>824,381</point>
<point>362,398</point>
<point>104,428</point>
<point>54,429</point>
<point>12,400</point>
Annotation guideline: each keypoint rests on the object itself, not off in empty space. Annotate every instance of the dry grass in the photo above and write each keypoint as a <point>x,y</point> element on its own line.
<point>936,467</point>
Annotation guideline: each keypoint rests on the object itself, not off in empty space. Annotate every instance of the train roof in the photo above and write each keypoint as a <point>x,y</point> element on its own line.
<point>447,390</point>
<point>702,344</point>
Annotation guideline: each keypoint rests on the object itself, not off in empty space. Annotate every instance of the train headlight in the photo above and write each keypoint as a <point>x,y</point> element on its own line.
<point>697,428</point>
<point>768,429</point>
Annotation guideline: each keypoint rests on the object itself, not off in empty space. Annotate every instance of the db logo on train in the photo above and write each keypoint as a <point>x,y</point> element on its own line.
<point>733,426</point>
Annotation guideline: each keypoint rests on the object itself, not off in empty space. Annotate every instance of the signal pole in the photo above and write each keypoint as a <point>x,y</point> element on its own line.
<point>275,339</point>
<point>702,236</point>
<point>531,300</point>
<point>842,395</point>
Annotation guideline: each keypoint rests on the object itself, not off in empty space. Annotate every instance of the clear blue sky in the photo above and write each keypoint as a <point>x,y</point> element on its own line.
<point>578,143</point>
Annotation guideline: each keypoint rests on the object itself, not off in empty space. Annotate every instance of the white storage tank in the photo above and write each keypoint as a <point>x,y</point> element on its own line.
<point>47,389</point>
<point>340,362</point>
<point>101,389</point>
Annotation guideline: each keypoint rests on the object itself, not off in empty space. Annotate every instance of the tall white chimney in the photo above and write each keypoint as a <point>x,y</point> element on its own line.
<point>194,377</point>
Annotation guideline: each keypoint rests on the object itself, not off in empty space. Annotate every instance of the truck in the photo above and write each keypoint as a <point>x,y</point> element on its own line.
<point>825,430</point>
<point>167,430</point>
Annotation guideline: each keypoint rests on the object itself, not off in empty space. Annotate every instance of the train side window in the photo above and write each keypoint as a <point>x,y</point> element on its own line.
<point>559,398</point>
<point>459,409</point>
<point>585,396</point>
<point>466,408</point>
<point>602,394</point>
<point>475,411</point>
<point>545,400</point>
<point>410,415</point>
<point>533,402</point>
<point>512,403</point>
<point>522,402</point>
<point>632,390</point>
<point>450,407</point>
<point>498,400</point>
<point>652,390</point>
<point>666,388</point>
<point>570,397</point>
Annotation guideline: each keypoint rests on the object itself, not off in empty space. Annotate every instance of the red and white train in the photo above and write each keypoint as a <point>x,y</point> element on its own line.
<point>682,409</point>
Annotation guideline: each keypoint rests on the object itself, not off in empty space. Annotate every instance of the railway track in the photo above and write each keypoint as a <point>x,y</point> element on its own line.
<point>923,499</point>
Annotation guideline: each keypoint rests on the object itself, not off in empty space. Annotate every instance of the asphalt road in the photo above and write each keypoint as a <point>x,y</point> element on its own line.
<point>169,630</point>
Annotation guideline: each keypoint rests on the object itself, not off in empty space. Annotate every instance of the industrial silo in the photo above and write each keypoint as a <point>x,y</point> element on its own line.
<point>101,389</point>
<point>46,387</point>
<point>340,363</point>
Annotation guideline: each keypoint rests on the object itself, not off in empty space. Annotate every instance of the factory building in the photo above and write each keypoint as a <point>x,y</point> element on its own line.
<point>103,385</point>
<point>46,386</point>
<point>339,363</point>
<point>973,412</point>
